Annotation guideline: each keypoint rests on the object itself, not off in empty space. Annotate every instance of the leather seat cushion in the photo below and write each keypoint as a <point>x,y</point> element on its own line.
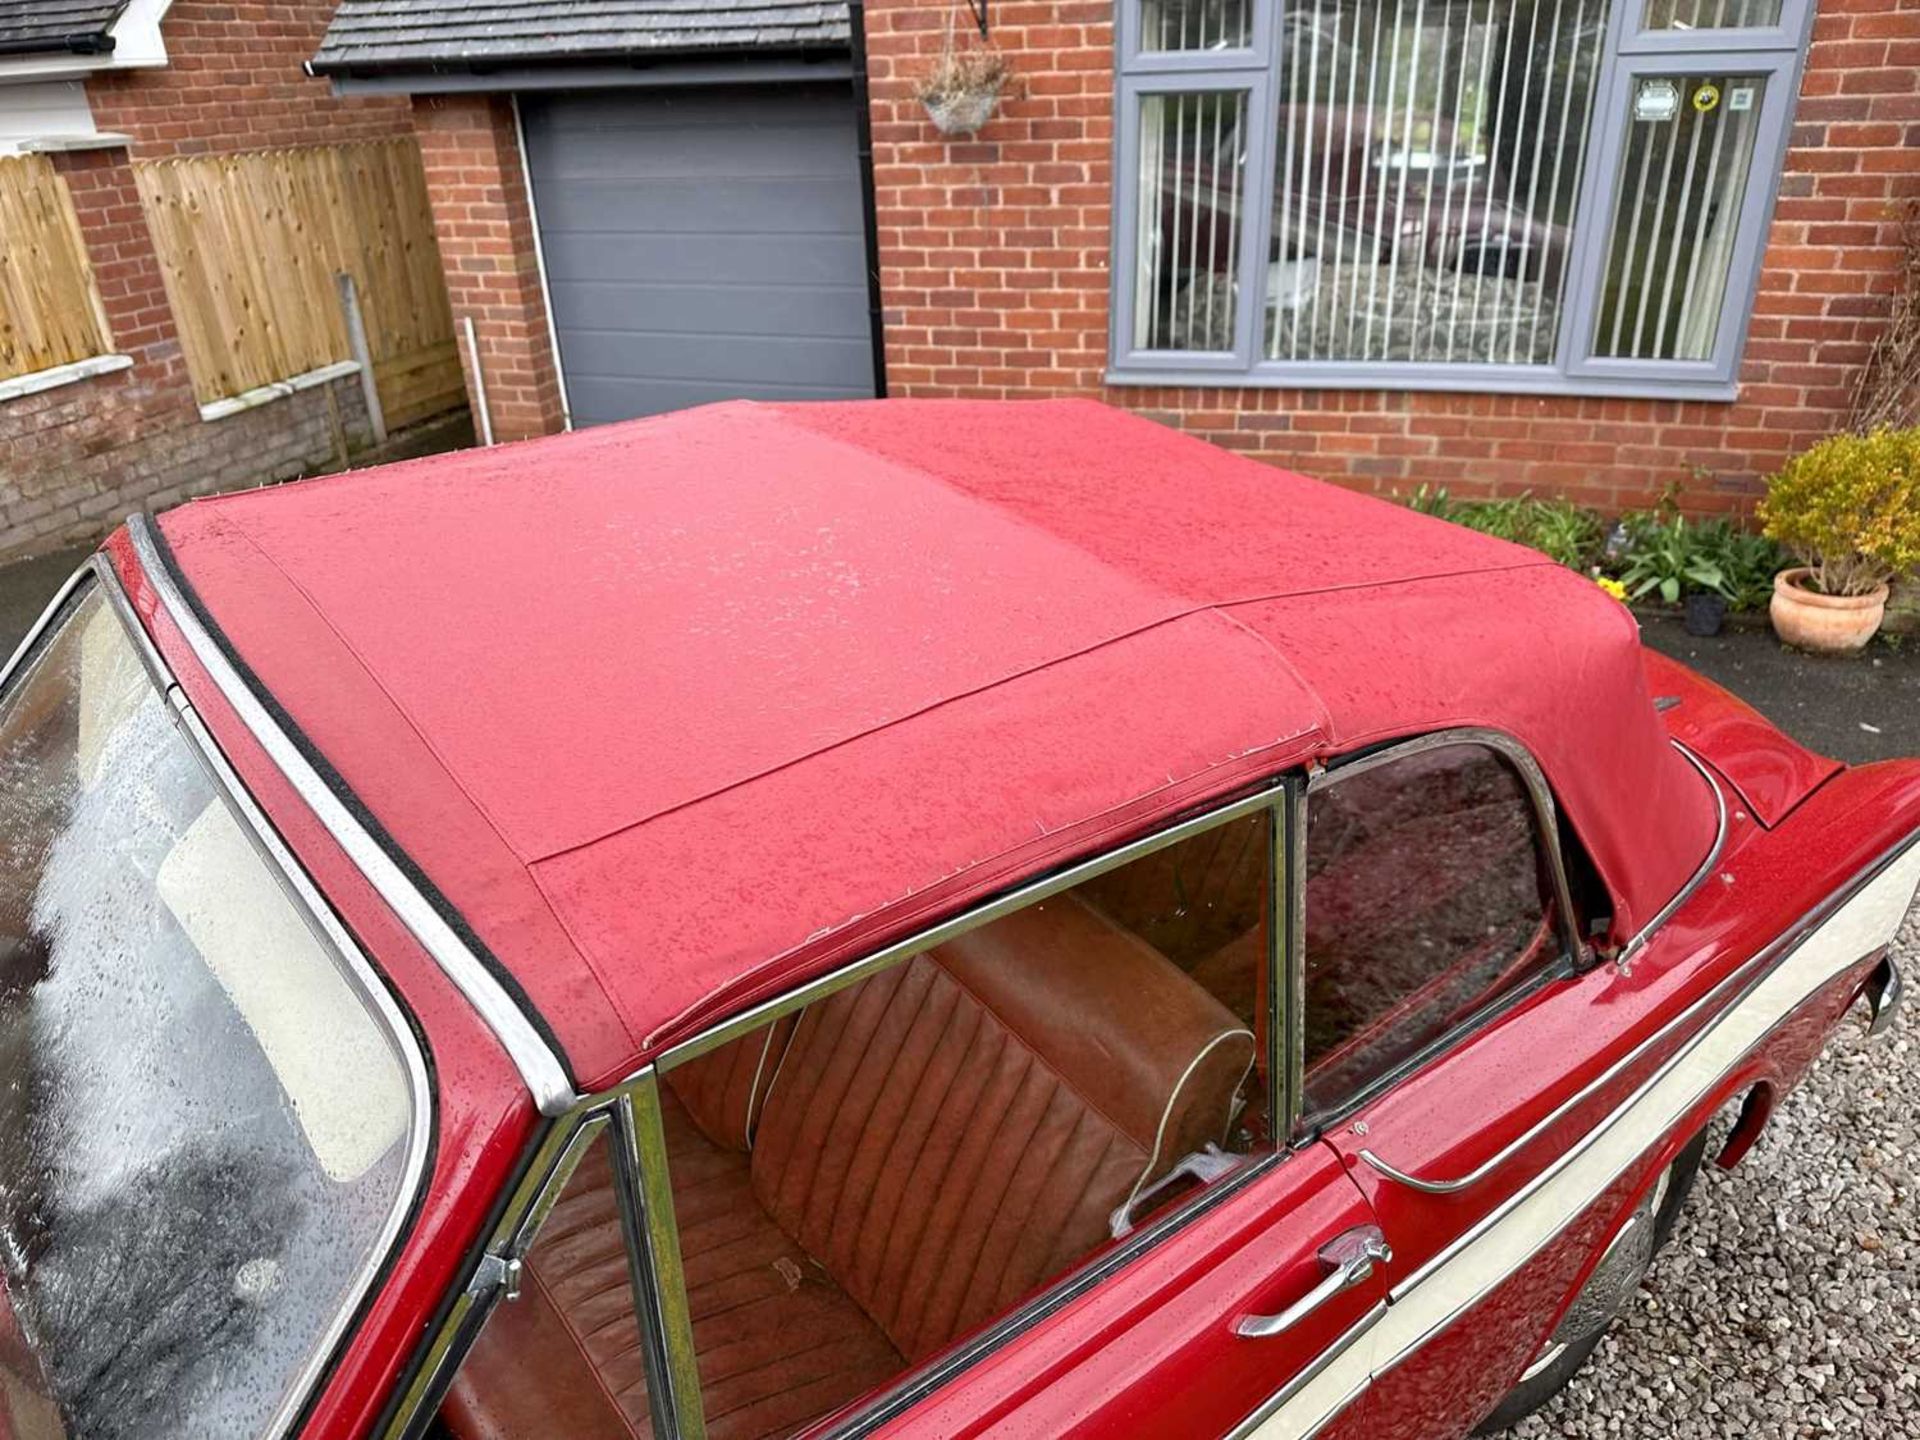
<point>779,1343</point>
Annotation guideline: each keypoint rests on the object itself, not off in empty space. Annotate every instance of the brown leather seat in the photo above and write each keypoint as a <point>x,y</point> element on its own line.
<point>927,1147</point>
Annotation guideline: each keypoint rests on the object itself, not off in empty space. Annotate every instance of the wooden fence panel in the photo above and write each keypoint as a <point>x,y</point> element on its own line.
<point>49,310</point>
<point>250,244</point>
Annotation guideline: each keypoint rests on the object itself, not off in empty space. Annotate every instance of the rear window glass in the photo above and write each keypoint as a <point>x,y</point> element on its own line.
<point>208,1130</point>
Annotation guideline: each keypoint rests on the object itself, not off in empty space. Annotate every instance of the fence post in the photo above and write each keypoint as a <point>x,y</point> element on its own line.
<point>362,352</point>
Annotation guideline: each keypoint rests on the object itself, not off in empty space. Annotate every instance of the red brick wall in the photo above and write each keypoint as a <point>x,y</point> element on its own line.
<point>994,266</point>
<point>234,81</point>
<point>74,460</point>
<point>484,226</point>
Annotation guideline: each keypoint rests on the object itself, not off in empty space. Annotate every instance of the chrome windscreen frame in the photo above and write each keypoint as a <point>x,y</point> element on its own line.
<point>358,970</point>
<point>545,1076</point>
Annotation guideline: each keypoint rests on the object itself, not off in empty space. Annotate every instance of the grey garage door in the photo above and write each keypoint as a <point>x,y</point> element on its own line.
<point>702,245</point>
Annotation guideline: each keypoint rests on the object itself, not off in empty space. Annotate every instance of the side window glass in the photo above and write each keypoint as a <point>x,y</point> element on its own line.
<point>1426,900</point>
<point>564,1357</point>
<point>865,1181</point>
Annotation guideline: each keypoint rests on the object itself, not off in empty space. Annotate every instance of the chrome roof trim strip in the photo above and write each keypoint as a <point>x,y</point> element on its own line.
<point>1639,942</point>
<point>539,1067</point>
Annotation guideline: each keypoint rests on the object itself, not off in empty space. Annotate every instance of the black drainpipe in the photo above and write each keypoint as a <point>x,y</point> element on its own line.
<point>863,143</point>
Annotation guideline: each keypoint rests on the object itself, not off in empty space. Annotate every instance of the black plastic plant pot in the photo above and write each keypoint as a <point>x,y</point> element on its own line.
<point>1705,614</point>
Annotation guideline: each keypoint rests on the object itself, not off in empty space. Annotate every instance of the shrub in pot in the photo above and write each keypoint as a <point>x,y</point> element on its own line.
<point>1849,508</point>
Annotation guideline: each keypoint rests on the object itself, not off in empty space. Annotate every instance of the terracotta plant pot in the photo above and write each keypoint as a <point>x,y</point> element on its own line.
<point>1823,624</point>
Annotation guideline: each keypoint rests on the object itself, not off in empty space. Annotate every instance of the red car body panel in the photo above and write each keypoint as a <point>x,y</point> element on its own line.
<point>618,869</point>
<point>1766,769</point>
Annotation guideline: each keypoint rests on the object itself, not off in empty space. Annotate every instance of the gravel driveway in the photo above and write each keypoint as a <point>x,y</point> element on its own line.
<point>1786,1304</point>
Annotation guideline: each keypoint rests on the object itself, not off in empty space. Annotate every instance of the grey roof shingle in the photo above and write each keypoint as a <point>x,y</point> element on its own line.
<point>37,26</point>
<point>389,35</point>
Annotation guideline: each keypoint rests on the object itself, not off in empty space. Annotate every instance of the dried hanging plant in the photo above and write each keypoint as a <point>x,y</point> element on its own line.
<point>1887,394</point>
<point>964,85</point>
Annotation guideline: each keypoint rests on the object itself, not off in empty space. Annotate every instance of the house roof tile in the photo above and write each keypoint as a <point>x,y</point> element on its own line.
<point>389,35</point>
<point>78,26</point>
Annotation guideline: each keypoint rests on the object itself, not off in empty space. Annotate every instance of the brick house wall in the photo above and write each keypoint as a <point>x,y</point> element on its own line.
<point>470,147</point>
<point>994,270</point>
<point>76,459</point>
<point>235,80</point>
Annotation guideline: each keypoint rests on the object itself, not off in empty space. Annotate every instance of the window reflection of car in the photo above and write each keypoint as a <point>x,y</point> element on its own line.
<point>935,919</point>
<point>1350,199</point>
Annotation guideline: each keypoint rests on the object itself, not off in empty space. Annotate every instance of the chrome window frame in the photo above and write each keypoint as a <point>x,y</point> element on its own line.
<point>1574,959</point>
<point>1280,798</point>
<point>633,1110</point>
<point>329,929</point>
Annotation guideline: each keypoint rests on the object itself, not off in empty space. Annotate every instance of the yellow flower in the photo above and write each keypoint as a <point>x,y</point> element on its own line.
<point>1612,587</point>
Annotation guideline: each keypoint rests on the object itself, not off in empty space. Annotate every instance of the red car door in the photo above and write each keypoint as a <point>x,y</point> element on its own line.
<point>1436,961</point>
<point>1251,1318</point>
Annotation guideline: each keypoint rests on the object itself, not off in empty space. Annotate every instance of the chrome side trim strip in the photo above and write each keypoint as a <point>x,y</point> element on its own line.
<point>1743,981</point>
<point>1639,942</point>
<point>1813,952</point>
<point>1604,1145</point>
<point>539,1067</point>
<point>1314,1369</point>
<point>1600,1082</point>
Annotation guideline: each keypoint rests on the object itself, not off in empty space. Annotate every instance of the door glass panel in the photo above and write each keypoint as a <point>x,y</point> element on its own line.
<point>1710,14</point>
<point>1192,173</point>
<point>1196,25</point>
<point>564,1358</point>
<point>1676,219</point>
<point>1428,159</point>
<point>1426,900</point>
<point>861,1183</point>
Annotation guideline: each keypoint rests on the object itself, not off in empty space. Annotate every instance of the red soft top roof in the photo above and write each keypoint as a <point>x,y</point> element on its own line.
<point>679,711</point>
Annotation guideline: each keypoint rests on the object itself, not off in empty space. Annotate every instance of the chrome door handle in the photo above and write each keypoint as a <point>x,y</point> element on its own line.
<point>1348,1259</point>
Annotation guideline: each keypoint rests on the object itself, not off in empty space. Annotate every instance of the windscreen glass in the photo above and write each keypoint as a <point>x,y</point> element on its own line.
<point>207,1126</point>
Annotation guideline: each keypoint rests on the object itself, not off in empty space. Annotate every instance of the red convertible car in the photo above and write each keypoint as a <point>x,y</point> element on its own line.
<point>877,919</point>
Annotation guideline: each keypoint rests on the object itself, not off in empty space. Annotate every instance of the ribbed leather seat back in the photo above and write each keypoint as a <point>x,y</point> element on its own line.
<point>950,1134</point>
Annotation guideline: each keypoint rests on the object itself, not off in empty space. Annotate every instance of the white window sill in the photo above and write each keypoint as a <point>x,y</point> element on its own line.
<point>278,390</point>
<point>60,375</point>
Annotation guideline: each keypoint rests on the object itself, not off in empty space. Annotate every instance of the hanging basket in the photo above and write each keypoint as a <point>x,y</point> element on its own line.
<point>962,113</point>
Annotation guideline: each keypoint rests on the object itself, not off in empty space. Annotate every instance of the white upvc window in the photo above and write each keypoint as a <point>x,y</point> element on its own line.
<point>1523,195</point>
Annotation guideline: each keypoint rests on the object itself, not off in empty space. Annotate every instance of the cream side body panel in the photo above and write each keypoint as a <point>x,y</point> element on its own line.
<point>1426,1302</point>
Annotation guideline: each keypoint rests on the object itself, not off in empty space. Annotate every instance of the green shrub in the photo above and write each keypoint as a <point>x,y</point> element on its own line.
<point>1850,509</point>
<point>1671,557</point>
<point>1558,528</point>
